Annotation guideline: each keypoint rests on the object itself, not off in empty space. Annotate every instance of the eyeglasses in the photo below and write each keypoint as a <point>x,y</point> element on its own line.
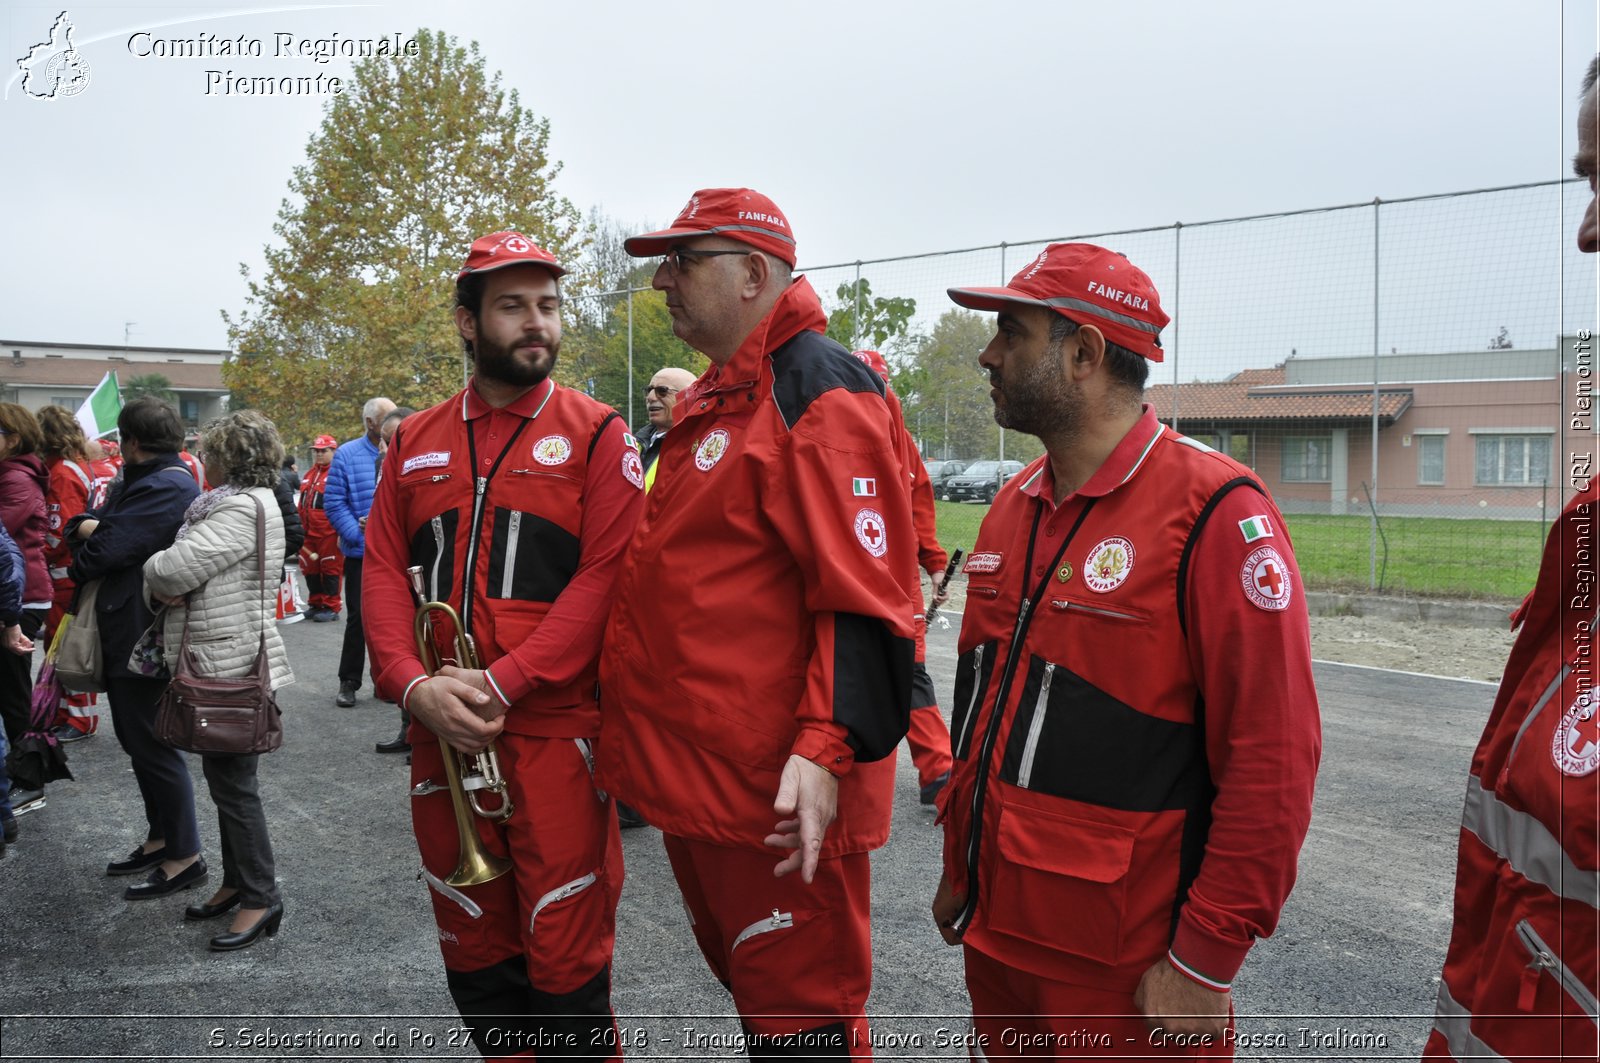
<point>675,258</point>
<point>660,391</point>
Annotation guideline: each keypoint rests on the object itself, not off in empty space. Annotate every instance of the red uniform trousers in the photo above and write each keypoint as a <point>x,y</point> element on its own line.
<point>928,737</point>
<point>797,958</point>
<point>76,710</point>
<point>534,968</point>
<point>324,571</point>
<point>1020,1015</point>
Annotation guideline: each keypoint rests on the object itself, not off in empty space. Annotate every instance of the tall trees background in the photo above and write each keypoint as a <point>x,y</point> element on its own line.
<point>420,156</point>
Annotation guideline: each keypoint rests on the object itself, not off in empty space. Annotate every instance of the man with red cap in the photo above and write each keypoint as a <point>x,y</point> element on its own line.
<point>320,559</point>
<point>928,737</point>
<point>1136,732</point>
<point>753,710</point>
<point>516,498</point>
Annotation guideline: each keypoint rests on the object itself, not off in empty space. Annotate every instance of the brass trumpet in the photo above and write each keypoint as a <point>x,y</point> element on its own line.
<point>465,775</point>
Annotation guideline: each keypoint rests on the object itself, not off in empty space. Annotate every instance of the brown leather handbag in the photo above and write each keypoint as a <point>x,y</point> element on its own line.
<point>221,717</point>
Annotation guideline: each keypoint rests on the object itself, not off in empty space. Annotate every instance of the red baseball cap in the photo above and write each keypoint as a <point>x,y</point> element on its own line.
<point>324,442</point>
<point>873,361</point>
<point>498,250</point>
<point>737,213</point>
<point>1088,285</point>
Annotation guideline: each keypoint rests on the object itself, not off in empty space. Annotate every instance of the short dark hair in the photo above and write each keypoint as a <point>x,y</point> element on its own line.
<point>399,413</point>
<point>1126,368</point>
<point>153,424</point>
<point>1591,77</point>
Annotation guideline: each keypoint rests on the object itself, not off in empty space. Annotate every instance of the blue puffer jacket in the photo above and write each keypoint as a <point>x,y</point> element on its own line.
<point>347,497</point>
<point>10,579</point>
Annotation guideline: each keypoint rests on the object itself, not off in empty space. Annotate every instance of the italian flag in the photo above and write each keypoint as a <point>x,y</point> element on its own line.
<point>1256,528</point>
<point>99,411</point>
<point>864,487</point>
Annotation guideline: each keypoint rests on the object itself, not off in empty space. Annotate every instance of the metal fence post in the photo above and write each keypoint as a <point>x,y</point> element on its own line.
<point>1372,544</point>
<point>631,388</point>
<point>855,329</point>
<point>1177,292</point>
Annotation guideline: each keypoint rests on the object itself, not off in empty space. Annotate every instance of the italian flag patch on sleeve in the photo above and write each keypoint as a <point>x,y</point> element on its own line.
<point>1256,528</point>
<point>864,487</point>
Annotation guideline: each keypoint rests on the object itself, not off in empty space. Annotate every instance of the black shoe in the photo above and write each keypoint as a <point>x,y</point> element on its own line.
<point>68,733</point>
<point>398,745</point>
<point>159,885</point>
<point>267,924</point>
<point>347,696</point>
<point>207,910</point>
<point>9,829</point>
<point>324,616</point>
<point>24,797</point>
<point>137,861</point>
<point>627,818</point>
<point>930,792</point>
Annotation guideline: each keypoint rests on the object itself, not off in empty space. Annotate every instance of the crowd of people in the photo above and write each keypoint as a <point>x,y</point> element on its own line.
<point>714,626</point>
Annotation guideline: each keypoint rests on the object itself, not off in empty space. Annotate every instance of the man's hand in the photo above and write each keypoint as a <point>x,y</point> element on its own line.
<point>809,794</point>
<point>940,594</point>
<point>946,906</point>
<point>458,710</point>
<point>86,528</point>
<point>1173,1001</point>
<point>15,641</point>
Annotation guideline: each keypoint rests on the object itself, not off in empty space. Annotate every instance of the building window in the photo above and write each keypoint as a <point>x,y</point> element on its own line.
<point>1430,460</point>
<point>1513,460</point>
<point>189,410</point>
<point>1307,459</point>
<point>66,402</point>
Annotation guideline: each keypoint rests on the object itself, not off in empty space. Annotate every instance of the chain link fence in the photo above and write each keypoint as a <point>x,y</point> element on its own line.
<point>1410,378</point>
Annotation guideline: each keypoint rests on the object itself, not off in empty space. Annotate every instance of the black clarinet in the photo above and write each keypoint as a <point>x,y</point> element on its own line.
<point>944,582</point>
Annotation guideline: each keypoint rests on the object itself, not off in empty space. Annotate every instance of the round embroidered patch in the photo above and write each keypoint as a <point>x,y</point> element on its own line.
<point>552,450</point>
<point>1575,747</point>
<point>1108,564</point>
<point>1064,573</point>
<point>632,468</point>
<point>711,449</point>
<point>870,533</point>
<point>1265,579</point>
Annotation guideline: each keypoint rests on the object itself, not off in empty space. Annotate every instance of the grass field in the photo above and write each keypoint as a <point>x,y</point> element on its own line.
<point>1428,557</point>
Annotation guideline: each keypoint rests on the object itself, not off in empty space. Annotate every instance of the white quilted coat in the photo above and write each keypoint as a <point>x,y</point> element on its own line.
<point>215,565</point>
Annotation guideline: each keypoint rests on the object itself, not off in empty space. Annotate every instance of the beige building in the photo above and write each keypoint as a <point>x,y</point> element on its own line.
<point>1465,434</point>
<point>36,375</point>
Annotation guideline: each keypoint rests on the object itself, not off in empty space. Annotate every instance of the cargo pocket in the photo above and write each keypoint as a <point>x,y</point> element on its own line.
<point>1061,882</point>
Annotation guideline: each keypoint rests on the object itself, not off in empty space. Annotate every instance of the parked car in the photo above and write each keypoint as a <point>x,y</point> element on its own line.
<point>980,481</point>
<point>941,471</point>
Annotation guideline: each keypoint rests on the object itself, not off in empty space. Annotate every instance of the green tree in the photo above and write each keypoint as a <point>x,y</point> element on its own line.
<point>417,158</point>
<point>595,360</point>
<point>154,385</point>
<point>945,394</point>
<point>861,319</point>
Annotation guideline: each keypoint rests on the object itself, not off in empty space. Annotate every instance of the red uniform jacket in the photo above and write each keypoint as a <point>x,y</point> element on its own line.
<point>313,518</point>
<point>560,491</point>
<point>1136,751</point>
<point>70,486</point>
<point>1520,976</point>
<point>770,590</point>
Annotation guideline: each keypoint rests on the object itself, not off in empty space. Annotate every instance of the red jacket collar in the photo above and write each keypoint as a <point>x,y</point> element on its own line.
<point>529,405</point>
<point>1116,470</point>
<point>797,310</point>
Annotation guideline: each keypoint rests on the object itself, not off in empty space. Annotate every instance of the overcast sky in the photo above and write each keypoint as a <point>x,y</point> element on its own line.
<point>881,128</point>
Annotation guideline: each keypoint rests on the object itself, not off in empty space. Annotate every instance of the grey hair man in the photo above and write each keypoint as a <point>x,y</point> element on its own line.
<point>347,500</point>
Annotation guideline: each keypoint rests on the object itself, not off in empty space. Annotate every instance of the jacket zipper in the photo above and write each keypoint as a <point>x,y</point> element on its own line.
<point>992,733</point>
<point>977,697</point>
<point>1534,712</point>
<point>1544,958</point>
<point>1077,607</point>
<point>437,524</point>
<point>1035,726</point>
<point>480,488</point>
<point>509,570</point>
<point>778,921</point>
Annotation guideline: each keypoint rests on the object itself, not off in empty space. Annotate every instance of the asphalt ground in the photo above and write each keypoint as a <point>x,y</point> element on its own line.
<point>355,972</point>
